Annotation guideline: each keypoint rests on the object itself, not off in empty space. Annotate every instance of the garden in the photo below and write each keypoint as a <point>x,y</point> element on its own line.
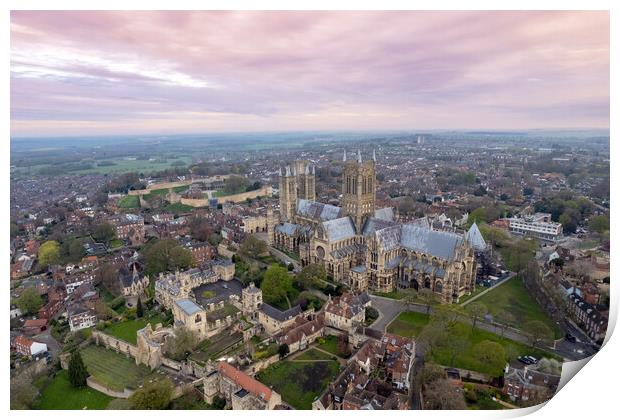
<point>299,382</point>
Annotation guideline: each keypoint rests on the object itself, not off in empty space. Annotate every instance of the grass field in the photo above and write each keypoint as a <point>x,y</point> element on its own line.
<point>330,345</point>
<point>60,395</point>
<point>177,208</point>
<point>409,324</point>
<point>479,289</point>
<point>299,383</point>
<point>313,354</point>
<point>114,370</point>
<point>512,297</point>
<point>127,330</point>
<point>129,202</point>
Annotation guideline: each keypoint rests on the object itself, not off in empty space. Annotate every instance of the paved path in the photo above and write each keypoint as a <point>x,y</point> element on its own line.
<point>499,283</point>
<point>285,258</point>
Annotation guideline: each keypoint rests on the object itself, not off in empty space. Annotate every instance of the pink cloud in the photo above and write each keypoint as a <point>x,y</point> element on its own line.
<point>271,69</point>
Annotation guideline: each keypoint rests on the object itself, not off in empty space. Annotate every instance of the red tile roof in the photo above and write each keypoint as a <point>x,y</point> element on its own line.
<point>244,381</point>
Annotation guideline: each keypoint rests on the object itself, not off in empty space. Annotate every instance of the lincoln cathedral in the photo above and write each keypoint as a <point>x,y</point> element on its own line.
<point>364,247</point>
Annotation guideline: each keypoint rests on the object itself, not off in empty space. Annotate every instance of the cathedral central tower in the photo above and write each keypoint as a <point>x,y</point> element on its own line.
<point>358,189</point>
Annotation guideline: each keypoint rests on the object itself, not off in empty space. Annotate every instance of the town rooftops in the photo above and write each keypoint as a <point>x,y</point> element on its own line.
<point>279,315</point>
<point>245,381</point>
<point>188,306</point>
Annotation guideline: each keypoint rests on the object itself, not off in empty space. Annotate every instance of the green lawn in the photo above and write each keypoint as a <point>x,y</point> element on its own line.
<point>116,243</point>
<point>409,324</point>
<point>330,345</point>
<point>127,330</point>
<point>60,395</point>
<point>513,298</point>
<point>114,370</point>
<point>479,289</point>
<point>313,354</point>
<point>129,202</point>
<point>299,383</point>
<point>215,346</point>
<point>177,208</point>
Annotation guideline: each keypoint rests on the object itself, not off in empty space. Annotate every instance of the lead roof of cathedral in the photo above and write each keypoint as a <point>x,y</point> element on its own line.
<point>417,238</point>
<point>317,211</point>
<point>339,229</point>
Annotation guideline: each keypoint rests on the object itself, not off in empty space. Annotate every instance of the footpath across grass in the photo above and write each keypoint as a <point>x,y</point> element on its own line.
<point>410,324</point>
<point>513,298</point>
<point>60,395</point>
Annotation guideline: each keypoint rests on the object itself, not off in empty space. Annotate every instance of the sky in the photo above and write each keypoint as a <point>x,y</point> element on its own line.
<point>117,73</point>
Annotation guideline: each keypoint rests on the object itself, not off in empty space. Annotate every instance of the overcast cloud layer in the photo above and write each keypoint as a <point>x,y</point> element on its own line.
<point>96,73</point>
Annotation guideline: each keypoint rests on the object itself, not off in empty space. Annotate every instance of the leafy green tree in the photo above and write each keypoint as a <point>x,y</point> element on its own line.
<point>165,254</point>
<point>104,232</point>
<point>312,275</point>
<point>153,396</point>
<point>569,219</point>
<point>73,250</point>
<point>283,350</point>
<point>428,298</point>
<point>49,253</point>
<point>77,371</point>
<point>276,285</point>
<point>181,344</point>
<point>139,308</point>
<point>30,301</point>
<point>476,311</point>
<point>14,230</point>
<point>537,331</point>
<point>491,356</point>
<point>479,215</point>
<point>253,247</point>
<point>599,224</point>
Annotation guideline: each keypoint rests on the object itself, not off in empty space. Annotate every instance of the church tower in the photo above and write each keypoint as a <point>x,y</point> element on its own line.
<point>305,180</point>
<point>358,189</point>
<point>288,193</point>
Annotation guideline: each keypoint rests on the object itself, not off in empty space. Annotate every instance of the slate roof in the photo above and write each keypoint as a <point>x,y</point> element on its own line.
<point>386,213</point>
<point>438,244</point>
<point>373,224</point>
<point>317,211</point>
<point>279,315</point>
<point>389,238</point>
<point>287,228</point>
<point>339,229</point>
<point>474,237</point>
<point>223,291</point>
<point>188,306</point>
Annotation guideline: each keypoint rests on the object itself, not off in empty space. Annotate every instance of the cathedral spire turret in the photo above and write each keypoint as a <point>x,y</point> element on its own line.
<point>374,155</point>
<point>359,156</point>
<point>344,158</point>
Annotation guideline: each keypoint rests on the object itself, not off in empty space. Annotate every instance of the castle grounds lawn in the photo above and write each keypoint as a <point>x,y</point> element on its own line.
<point>299,383</point>
<point>216,345</point>
<point>127,330</point>
<point>178,208</point>
<point>114,370</point>
<point>60,395</point>
<point>512,297</point>
<point>409,324</point>
<point>129,202</point>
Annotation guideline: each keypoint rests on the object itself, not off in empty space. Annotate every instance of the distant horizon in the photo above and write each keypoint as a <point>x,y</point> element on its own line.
<point>119,73</point>
<point>412,131</point>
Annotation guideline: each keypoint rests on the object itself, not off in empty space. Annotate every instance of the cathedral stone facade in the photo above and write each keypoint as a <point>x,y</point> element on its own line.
<point>364,247</point>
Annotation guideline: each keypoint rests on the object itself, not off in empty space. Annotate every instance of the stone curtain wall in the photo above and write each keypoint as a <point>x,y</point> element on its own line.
<point>254,368</point>
<point>265,191</point>
<point>92,383</point>
<point>113,343</point>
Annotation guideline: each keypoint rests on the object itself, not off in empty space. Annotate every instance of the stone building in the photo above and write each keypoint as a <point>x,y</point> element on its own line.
<point>241,391</point>
<point>367,248</point>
